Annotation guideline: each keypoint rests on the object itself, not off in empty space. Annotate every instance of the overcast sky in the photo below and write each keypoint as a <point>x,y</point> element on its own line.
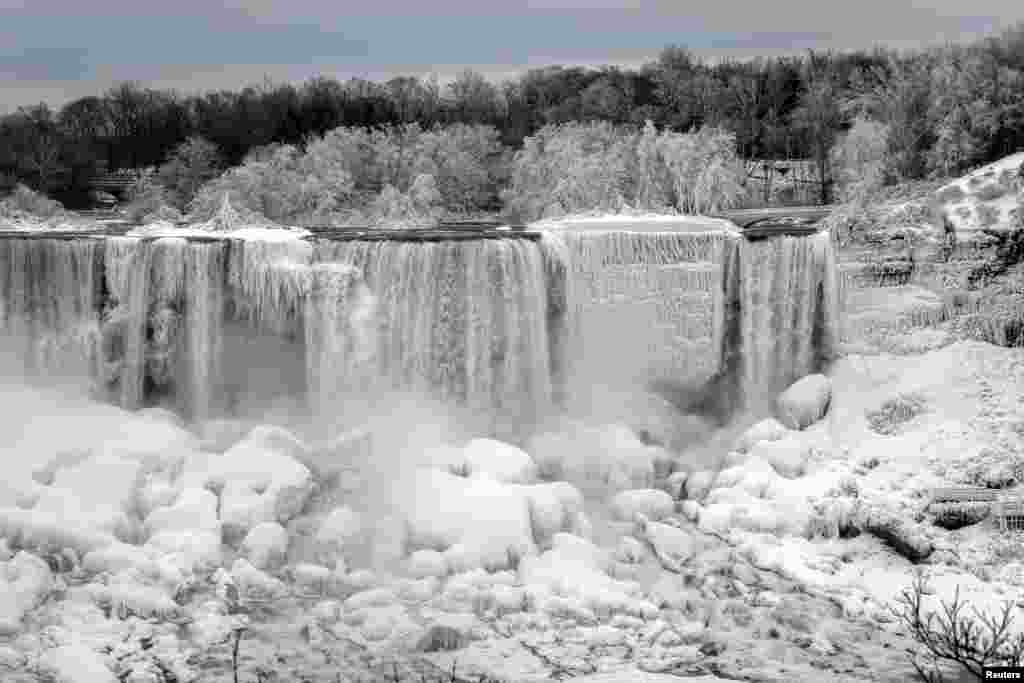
<point>57,50</point>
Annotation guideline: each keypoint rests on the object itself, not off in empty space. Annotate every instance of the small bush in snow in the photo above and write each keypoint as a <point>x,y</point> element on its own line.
<point>958,515</point>
<point>890,417</point>
<point>973,641</point>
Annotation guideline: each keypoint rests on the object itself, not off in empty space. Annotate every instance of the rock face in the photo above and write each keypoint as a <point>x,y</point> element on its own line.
<point>805,402</point>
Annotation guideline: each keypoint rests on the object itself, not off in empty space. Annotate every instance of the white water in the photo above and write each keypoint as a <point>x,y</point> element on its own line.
<point>788,309</point>
<point>494,326</point>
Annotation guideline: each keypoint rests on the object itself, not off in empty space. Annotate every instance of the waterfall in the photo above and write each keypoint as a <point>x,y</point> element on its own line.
<point>646,306</point>
<point>50,293</point>
<point>505,328</point>
<point>205,310</point>
<point>464,321</point>
<point>788,311</point>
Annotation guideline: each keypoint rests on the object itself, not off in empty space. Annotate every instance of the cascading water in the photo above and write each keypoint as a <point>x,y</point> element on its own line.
<point>498,326</point>
<point>462,320</point>
<point>49,300</point>
<point>788,309</point>
<point>646,306</point>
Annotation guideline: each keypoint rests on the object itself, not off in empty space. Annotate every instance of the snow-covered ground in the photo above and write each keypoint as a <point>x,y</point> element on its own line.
<point>126,537</point>
<point>984,198</point>
<point>639,222</point>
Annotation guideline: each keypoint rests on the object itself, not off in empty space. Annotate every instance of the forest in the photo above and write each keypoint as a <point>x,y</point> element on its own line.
<point>929,112</point>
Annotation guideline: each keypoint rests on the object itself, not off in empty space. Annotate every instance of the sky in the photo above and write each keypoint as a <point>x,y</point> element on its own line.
<point>57,50</point>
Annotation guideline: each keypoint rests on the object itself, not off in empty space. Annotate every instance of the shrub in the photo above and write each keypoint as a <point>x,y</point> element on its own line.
<point>958,515</point>
<point>950,635</point>
<point>988,215</point>
<point>890,417</point>
<point>147,197</point>
<point>950,194</point>
<point>280,183</point>
<point>859,159</point>
<point>578,167</point>
<point>357,175</point>
<point>26,201</point>
<point>191,165</point>
<point>992,191</point>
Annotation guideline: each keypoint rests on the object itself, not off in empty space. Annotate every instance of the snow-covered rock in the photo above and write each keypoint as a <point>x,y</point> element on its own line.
<point>500,460</point>
<point>490,520</point>
<point>341,527</point>
<point>426,563</point>
<point>36,529</point>
<point>789,457</point>
<point>610,457</point>
<point>266,545</point>
<point>77,663</point>
<point>194,509</point>
<point>674,547</point>
<point>310,578</point>
<point>254,583</point>
<point>652,503</point>
<point>260,480</point>
<point>768,429</point>
<point>118,557</point>
<point>805,402</point>
<point>100,493</point>
<point>554,507</point>
<point>24,582</point>
<point>218,436</point>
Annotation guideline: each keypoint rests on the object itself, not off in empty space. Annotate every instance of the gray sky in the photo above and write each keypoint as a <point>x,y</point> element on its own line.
<point>57,50</point>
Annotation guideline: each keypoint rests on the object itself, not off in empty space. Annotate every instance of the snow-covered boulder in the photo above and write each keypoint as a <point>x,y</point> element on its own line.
<point>805,402</point>
<point>427,563</point>
<point>504,462</point>
<point>609,457</point>
<point>489,519</point>
<point>24,581</point>
<point>652,503</point>
<point>218,436</point>
<point>260,480</point>
<point>266,545</point>
<point>119,557</point>
<point>35,529</point>
<point>768,429</point>
<point>674,547</point>
<point>789,457</point>
<point>77,663</point>
<point>254,583</point>
<point>341,527</point>
<point>698,484</point>
<point>100,492</point>
<point>193,509</point>
<point>571,580</point>
<point>554,507</point>
<point>310,578</point>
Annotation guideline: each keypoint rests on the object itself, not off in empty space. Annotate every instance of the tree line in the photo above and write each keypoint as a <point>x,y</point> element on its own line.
<point>941,110</point>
